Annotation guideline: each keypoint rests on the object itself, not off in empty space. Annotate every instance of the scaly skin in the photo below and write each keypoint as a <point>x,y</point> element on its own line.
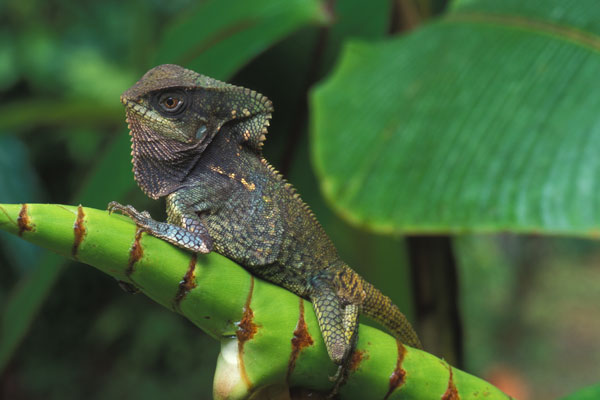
<point>198,142</point>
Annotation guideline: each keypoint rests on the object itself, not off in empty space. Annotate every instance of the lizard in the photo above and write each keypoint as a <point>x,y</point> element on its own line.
<point>198,142</point>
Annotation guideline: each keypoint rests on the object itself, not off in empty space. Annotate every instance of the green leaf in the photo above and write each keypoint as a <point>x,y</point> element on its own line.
<point>214,294</point>
<point>486,120</point>
<point>9,70</point>
<point>33,112</point>
<point>354,20</point>
<point>221,35</point>
<point>588,393</point>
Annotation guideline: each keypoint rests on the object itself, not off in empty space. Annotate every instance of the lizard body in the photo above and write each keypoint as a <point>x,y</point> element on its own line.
<point>198,142</point>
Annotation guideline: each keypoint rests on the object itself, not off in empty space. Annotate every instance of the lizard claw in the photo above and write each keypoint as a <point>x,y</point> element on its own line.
<point>340,378</point>
<point>116,206</point>
<point>140,218</point>
<point>343,372</point>
<point>112,206</point>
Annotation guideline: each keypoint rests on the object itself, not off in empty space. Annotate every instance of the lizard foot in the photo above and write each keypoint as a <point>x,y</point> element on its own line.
<point>141,219</point>
<point>340,378</point>
<point>193,237</point>
<point>343,372</point>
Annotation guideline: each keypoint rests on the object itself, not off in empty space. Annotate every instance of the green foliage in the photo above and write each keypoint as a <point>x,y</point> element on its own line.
<point>589,393</point>
<point>483,121</point>
<point>240,30</point>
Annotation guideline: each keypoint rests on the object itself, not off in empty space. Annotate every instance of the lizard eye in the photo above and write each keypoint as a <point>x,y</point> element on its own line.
<point>171,102</point>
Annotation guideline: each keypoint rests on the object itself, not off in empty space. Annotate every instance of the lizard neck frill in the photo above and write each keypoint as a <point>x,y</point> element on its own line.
<point>160,165</point>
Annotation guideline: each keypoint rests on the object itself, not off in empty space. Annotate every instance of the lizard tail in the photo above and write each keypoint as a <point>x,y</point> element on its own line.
<point>379,307</point>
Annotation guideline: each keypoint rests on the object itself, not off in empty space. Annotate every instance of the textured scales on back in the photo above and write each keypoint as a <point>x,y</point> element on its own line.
<point>197,141</point>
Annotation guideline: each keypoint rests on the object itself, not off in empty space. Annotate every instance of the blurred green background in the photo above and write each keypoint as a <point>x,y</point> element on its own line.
<point>449,149</point>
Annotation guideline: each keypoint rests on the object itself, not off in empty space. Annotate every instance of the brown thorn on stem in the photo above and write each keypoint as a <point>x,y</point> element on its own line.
<point>300,340</point>
<point>186,284</point>
<point>246,331</point>
<point>451,392</point>
<point>135,252</point>
<point>79,231</point>
<point>24,221</point>
<point>398,376</point>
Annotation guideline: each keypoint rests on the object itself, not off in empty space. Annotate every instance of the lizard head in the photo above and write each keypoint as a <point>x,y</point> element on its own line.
<point>174,113</point>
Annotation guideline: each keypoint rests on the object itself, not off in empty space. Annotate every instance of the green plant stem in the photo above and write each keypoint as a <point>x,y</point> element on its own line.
<point>254,320</point>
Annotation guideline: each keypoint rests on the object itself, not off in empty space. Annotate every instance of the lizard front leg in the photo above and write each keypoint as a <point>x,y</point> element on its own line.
<point>188,233</point>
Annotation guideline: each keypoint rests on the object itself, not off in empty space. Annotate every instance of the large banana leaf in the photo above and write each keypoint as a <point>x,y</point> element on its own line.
<point>485,120</point>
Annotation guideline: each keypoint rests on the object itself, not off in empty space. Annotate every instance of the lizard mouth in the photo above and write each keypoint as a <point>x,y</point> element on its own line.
<point>128,102</point>
<point>134,108</point>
